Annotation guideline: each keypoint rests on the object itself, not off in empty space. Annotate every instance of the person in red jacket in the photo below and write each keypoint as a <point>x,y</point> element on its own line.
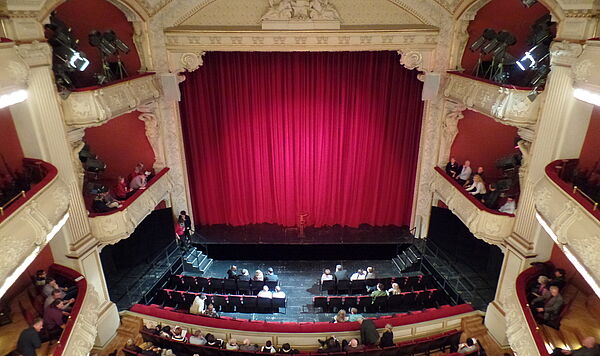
<point>121,190</point>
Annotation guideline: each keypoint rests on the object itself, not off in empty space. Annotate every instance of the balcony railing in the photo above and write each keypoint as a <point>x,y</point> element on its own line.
<point>570,217</point>
<point>506,104</point>
<point>93,106</point>
<point>80,330</point>
<point>112,226</point>
<point>485,223</point>
<point>29,222</point>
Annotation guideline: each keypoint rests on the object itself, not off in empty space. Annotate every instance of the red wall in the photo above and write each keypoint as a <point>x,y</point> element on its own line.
<point>482,140</point>
<point>590,152</point>
<point>121,143</point>
<point>508,15</point>
<point>10,148</point>
<point>85,16</point>
<point>42,261</point>
<point>560,260</point>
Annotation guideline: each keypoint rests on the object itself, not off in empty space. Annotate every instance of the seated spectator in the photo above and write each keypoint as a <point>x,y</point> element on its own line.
<point>268,348</point>
<point>452,167</point>
<point>258,276</point>
<point>387,338</point>
<point>247,347</point>
<point>54,322</point>
<point>29,339</point>
<point>326,276</point>
<point>541,289</point>
<point>40,278</point>
<point>465,173</point>
<point>340,273</point>
<point>354,316</point>
<point>395,290</point>
<point>265,293</point>
<point>368,333</point>
<point>331,344</point>
<point>232,272</point>
<point>197,338</point>
<point>370,273</point>
<point>272,277</point>
<point>130,345</point>
<point>477,188</point>
<point>379,292</point>
<point>178,334</point>
<point>468,347</point>
<point>353,346</point>
<point>210,312</point>
<point>138,169</point>
<point>51,285</point>
<point>341,317</point>
<point>245,276</point>
<point>138,182</point>
<point>232,345</point>
<point>558,279</point>
<point>490,199</point>
<point>121,190</point>
<point>212,341</point>
<point>509,207</point>
<point>589,348</point>
<point>58,294</point>
<point>278,293</point>
<point>287,349</point>
<point>166,332</point>
<point>358,275</point>
<point>552,306</point>
<point>99,206</point>
<point>197,306</point>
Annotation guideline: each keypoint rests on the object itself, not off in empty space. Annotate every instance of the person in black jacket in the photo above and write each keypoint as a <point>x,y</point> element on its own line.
<point>368,333</point>
<point>29,340</point>
<point>387,338</point>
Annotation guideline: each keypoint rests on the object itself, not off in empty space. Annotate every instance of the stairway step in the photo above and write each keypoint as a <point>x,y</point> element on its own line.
<point>205,268</point>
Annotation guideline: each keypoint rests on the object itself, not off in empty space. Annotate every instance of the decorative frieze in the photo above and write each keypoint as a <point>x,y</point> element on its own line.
<point>83,334</point>
<point>88,108</point>
<point>508,106</point>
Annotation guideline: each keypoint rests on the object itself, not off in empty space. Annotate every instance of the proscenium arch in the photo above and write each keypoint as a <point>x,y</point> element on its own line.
<point>131,8</point>
<point>468,7</point>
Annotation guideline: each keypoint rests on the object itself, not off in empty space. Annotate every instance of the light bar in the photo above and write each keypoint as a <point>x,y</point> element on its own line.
<point>587,96</point>
<point>526,57</point>
<point>75,58</point>
<point>16,96</point>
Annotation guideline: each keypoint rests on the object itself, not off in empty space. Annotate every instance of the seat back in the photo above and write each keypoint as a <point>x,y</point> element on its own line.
<point>190,283</point>
<point>264,304</point>
<point>220,302</point>
<point>203,284</point>
<point>343,286</point>
<point>216,284</point>
<point>335,303</point>
<point>279,302</point>
<point>328,286</point>
<point>244,287</point>
<point>272,284</point>
<point>320,302</point>
<point>230,285</point>
<point>350,302</point>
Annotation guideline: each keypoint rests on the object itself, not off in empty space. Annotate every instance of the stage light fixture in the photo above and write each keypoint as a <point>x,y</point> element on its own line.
<point>528,3</point>
<point>109,45</point>
<point>532,57</point>
<point>500,43</point>
<point>488,35</point>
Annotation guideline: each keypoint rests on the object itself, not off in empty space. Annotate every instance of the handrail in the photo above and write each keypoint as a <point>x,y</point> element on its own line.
<point>132,198</point>
<point>487,81</point>
<point>11,200</point>
<point>51,173</point>
<point>464,192</point>
<point>96,87</point>
<point>576,189</point>
<point>552,173</point>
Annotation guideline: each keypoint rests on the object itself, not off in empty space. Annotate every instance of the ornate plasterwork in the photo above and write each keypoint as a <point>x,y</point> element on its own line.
<point>565,53</point>
<point>586,69</point>
<point>505,105</point>
<point>574,226</point>
<point>95,107</point>
<point>83,334</point>
<point>490,227</point>
<point>517,330</point>
<point>151,123</point>
<point>25,231</point>
<point>111,228</point>
<point>14,72</point>
<point>453,113</point>
<point>302,10</point>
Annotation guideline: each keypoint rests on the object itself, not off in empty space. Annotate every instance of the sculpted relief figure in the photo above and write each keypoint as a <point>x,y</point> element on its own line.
<point>323,10</point>
<point>281,10</point>
<point>300,10</point>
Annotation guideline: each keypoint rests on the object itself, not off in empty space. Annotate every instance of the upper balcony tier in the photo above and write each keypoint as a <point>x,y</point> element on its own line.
<point>487,224</point>
<point>118,224</point>
<point>506,104</point>
<point>570,216</point>
<point>31,220</point>
<point>93,106</point>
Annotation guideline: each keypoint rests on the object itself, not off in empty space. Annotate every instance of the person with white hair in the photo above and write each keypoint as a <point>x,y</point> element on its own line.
<point>197,306</point>
<point>278,293</point>
<point>265,293</point>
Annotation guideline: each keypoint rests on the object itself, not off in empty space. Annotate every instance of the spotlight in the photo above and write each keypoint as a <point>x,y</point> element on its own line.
<point>499,44</point>
<point>533,94</point>
<point>529,3</point>
<point>109,45</point>
<point>488,35</point>
<point>540,76</point>
<point>536,54</point>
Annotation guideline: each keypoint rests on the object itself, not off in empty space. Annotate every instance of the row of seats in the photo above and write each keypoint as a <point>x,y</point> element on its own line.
<point>218,285</point>
<point>225,303</point>
<point>403,302</point>
<point>422,346</point>
<point>411,283</point>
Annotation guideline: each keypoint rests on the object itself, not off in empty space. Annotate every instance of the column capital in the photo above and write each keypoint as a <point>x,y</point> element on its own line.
<point>36,54</point>
<point>189,61</point>
<point>565,53</point>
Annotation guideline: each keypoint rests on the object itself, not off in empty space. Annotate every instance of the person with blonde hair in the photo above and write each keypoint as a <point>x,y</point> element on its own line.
<point>477,188</point>
<point>341,317</point>
<point>232,345</point>
<point>258,276</point>
<point>395,290</point>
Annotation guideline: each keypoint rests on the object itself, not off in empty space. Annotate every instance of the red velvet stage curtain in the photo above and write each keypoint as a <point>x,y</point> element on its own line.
<point>270,135</point>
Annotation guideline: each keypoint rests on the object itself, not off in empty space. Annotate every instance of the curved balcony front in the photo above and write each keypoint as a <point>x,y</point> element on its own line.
<point>506,104</point>
<point>487,224</point>
<point>110,227</point>
<point>94,106</point>
<point>569,218</point>
<point>31,221</point>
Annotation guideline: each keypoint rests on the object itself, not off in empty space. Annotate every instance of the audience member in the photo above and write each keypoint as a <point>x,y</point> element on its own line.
<point>268,348</point>
<point>187,223</point>
<point>166,332</point>
<point>331,344</point>
<point>139,181</point>
<point>395,290</point>
<point>368,333</point>
<point>589,348</point>
<point>326,276</point>
<point>477,188</point>
<point>210,312</point>
<point>245,275</point>
<point>287,349</point>
<point>40,278</point>
<point>258,276</point>
<point>452,167</point>
<point>352,346</point>
<point>130,345</point>
<point>29,339</point>
<point>232,345</point>
<point>178,334</point>
<point>541,289</point>
<point>468,347</point>
<point>465,173</point>
<point>552,306</point>
<point>558,279</point>
<point>354,315</point>
<point>50,286</point>
<point>358,275</point>
<point>58,294</point>
<point>340,273</point>
<point>387,338</point>
<point>232,272</point>
<point>197,306</point>
<point>340,317</point>
<point>99,206</point>
<point>121,190</point>
<point>490,199</point>
<point>53,318</point>
<point>197,338</point>
<point>379,292</point>
<point>212,341</point>
<point>265,293</point>
<point>272,277</point>
<point>278,293</point>
<point>509,207</point>
<point>138,169</point>
<point>247,347</point>
<point>370,273</point>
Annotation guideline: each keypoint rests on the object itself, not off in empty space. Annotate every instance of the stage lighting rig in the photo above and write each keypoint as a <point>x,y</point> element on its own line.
<point>109,45</point>
<point>528,3</point>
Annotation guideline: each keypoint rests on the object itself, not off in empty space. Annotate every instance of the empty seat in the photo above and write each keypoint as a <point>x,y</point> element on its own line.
<point>244,287</point>
<point>365,303</point>
<point>380,304</point>
<point>220,302</point>
<point>328,286</point>
<point>402,282</point>
<point>278,303</point>
<point>264,305</point>
<point>335,303</point>
<point>177,299</point>
<point>257,286</point>
<point>249,304</point>
<point>395,302</point>
<point>216,285</point>
<point>178,283</point>
<point>350,302</point>
<point>422,299</point>
<point>359,286</point>
<point>189,298</point>
<point>191,283</point>
<point>234,302</point>
<point>320,302</point>
<point>387,282</point>
<point>343,286</point>
<point>230,286</point>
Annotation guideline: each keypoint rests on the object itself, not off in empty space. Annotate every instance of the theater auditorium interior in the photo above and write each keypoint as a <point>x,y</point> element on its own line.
<point>239,177</point>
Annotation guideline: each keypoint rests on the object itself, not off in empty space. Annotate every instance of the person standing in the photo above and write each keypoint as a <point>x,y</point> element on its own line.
<point>29,340</point>
<point>187,223</point>
<point>368,332</point>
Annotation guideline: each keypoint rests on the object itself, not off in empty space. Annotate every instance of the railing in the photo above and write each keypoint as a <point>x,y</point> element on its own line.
<point>11,200</point>
<point>594,203</point>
